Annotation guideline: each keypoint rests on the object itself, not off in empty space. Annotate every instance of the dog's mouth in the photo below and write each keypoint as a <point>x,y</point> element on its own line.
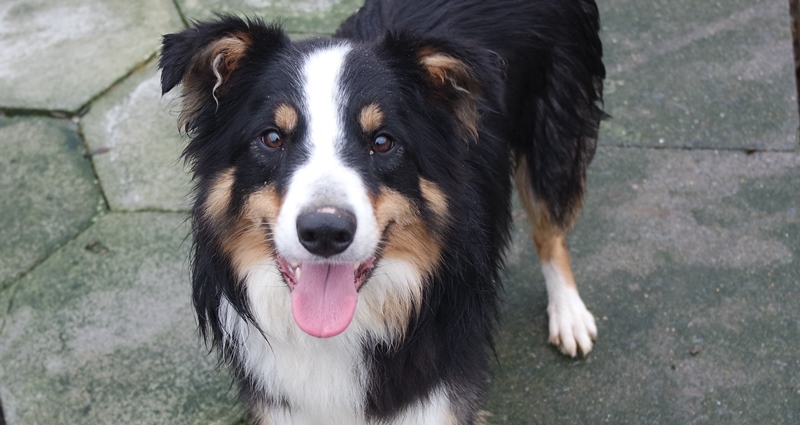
<point>324,295</point>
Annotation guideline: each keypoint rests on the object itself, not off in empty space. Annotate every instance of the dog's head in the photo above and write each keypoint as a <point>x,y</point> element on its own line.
<point>327,160</point>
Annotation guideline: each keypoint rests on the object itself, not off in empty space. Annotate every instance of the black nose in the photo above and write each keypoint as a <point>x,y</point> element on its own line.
<point>326,231</point>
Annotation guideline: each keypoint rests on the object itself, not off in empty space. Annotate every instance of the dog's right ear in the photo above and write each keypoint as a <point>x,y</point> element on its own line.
<point>204,57</point>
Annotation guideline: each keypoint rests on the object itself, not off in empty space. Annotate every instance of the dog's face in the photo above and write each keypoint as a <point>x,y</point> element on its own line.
<point>332,163</point>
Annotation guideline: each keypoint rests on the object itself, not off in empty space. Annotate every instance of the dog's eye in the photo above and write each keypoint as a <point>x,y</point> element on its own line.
<point>382,144</point>
<point>271,139</point>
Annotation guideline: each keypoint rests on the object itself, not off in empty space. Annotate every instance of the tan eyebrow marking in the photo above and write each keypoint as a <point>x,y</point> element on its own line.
<point>286,117</point>
<point>371,118</point>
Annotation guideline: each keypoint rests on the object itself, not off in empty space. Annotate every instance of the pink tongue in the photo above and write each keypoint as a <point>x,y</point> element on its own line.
<point>324,300</point>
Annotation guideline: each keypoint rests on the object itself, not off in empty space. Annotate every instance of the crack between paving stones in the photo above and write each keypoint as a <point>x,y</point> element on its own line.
<point>138,66</point>
<point>748,151</point>
<point>151,210</point>
<point>86,151</point>
<point>82,109</point>
<point>128,212</point>
<point>86,148</point>
<point>44,113</point>
<point>14,287</point>
<point>14,284</point>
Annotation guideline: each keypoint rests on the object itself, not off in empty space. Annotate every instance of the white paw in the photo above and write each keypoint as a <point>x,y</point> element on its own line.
<point>572,326</point>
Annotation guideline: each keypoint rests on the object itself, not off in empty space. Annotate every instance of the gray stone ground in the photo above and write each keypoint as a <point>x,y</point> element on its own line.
<point>688,251</point>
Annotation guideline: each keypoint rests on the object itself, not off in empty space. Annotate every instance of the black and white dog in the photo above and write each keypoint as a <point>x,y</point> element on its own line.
<point>352,197</point>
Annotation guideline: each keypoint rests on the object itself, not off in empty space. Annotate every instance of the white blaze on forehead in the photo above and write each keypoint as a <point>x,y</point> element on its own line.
<point>324,180</point>
<point>323,98</point>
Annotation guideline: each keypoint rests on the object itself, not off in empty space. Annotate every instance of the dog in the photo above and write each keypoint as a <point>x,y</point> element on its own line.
<point>352,197</point>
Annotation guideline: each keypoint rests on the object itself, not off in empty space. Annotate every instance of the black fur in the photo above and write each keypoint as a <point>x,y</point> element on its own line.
<point>537,65</point>
<point>553,78</point>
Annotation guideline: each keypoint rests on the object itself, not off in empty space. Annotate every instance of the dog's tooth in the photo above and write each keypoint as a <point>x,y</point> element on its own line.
<point>355,266</point>
<point>297,273</point>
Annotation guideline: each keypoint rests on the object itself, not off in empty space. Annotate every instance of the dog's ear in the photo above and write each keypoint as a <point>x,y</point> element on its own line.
<point>204,57</point>
<point>465,79</point>
<point>455,83</point>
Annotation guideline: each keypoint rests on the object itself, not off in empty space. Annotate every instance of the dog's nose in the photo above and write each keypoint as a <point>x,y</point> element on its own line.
<point>326,231</point>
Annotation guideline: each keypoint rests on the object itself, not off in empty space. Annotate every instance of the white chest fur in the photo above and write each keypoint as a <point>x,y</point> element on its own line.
<point>324,379</point>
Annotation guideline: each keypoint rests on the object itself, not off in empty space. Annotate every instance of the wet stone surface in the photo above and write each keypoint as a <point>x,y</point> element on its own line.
<point>102,332</point>
<point>690,73</point>
<point>690,262</point>
<point>136,146</point>
<point>47,191</point>
<point>687,256</point>
<point>57,55</point>
<point>296,16</point>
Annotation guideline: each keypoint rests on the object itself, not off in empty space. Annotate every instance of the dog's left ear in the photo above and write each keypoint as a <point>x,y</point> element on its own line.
<point>454,82</point>
<point>465,79</point>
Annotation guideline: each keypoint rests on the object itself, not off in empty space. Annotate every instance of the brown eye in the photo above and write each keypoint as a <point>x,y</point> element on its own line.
<point>271,139</point>
<point>382,144</point>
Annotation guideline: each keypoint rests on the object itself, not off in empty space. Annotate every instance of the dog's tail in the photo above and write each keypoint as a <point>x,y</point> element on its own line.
<point>557,104</point>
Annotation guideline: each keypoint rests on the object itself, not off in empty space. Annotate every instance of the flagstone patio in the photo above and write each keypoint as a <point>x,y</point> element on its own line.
<point>688,250</point>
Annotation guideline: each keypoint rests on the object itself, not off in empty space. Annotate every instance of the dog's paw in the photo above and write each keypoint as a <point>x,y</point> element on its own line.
<point>572,326</point>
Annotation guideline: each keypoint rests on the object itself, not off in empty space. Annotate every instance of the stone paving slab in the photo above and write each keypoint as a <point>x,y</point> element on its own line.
<point>57,55</point>
<point>48,192</point>
<point>690,261</point>
<point>694,73</point>
<point>103,333</point>
<point>134,132</point>
<point>297,16</point>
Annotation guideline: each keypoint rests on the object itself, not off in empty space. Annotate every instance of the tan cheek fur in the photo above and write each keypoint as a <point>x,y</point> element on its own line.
<point>245,241</point>
<point>249,244</point>
<point>436,199</point>
<point>409,240</point>
<point>219,197</point>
